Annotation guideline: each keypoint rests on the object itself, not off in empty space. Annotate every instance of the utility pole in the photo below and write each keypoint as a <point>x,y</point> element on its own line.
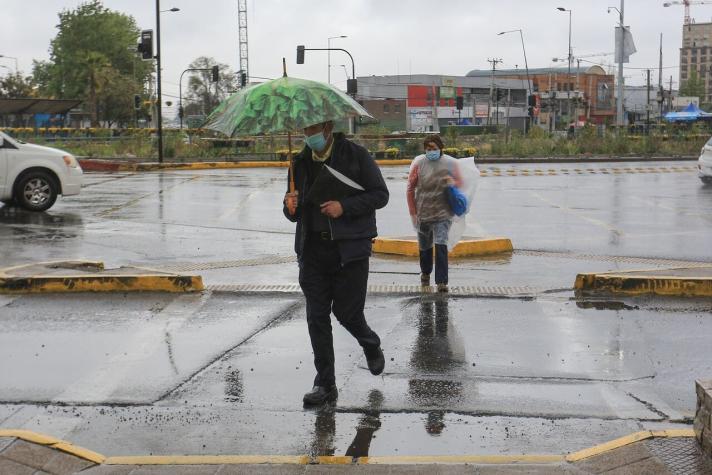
<point>621,88</point>
<point>660,79</point>
<point>647,106</point>
<point>670,96</point>
<point>494,62</point>
<point>159,108</point>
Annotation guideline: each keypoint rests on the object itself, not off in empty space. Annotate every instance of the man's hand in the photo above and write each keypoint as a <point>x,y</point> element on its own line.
<point>290,201</point>
<point>414,221</point>
<point>332,209</point>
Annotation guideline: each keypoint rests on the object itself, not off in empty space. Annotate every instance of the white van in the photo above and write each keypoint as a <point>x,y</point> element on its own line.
<point>704,163</point>
<point>32,175</point>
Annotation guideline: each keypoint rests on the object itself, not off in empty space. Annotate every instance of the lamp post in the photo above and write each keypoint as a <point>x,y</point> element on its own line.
<point>526,67</point>
<point>328,44</point>
<point>10,57</point>
<point>159,111</point>
<point>568,77</point>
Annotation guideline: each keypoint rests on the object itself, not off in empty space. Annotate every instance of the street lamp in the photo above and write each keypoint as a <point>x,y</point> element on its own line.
<point>10,57</point>
<point>568,77</point>
<point>328,43</point>
<point>619,52</point>
<point>526,65</point>
<point>159,119</point>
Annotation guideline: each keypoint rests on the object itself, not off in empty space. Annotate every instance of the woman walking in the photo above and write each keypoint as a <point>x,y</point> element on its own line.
<point>428,180</point>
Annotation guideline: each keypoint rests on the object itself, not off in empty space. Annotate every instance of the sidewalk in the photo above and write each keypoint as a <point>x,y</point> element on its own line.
<point>656,452</point>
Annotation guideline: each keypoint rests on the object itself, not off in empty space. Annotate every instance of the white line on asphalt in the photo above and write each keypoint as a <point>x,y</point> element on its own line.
<point>578,213</point>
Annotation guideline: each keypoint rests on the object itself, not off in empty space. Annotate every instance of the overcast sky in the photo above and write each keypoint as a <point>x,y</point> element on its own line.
<point>384,36</point>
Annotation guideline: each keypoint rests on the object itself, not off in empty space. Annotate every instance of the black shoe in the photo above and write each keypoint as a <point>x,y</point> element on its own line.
<point>320,394</point>
<point>376,362</point>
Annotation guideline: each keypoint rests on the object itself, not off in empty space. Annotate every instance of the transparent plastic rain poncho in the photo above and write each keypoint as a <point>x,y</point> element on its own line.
<point>470,175</point>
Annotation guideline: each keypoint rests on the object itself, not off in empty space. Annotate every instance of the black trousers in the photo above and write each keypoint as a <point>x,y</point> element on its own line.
<point>328,286</point>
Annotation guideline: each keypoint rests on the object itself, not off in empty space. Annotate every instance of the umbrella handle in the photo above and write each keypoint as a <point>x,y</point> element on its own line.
<point>291,171</point>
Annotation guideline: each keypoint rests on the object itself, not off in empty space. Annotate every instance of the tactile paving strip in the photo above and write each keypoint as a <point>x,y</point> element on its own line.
<point>602,258</point>
<point>498,172</point>
<point>260,261</point>
<point>682,455</point>
<point>469,291</point>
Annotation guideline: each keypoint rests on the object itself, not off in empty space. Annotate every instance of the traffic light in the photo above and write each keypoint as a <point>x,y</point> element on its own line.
<point>243,78</point>
<point>300,54</point>
<point>499,93</point>
<point>351,87</point>
<point>137,101</point>
<point>145,47</point>
<point>459,102</point>
<point>181,112</point>
<point>215,73</point>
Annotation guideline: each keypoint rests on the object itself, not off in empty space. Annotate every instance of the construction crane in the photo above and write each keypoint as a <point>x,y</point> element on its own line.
<point>687,4</point>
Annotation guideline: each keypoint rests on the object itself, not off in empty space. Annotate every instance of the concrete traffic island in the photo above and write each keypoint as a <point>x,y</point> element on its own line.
<point>674,282</point>
<point>467,247</point>
<point>91,276</point>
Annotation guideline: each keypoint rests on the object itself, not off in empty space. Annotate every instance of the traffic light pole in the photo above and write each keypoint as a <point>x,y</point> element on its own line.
<point>353,65</point>
<point>159,122</point>
<point>180,92</point>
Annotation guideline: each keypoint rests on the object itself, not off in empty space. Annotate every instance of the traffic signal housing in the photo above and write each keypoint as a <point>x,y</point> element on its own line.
<point>300,54</point>
<point>145,46</point>
<point>215,72</point>
<point>137,101</point>
<point>459,102</point>
<point>243,78</point>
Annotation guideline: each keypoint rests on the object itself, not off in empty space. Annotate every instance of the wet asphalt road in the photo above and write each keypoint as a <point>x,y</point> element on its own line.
<point>519,366</point>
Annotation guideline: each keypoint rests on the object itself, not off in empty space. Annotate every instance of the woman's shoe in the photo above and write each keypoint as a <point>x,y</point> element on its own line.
<point>424,279</point>
<point>442,288</point>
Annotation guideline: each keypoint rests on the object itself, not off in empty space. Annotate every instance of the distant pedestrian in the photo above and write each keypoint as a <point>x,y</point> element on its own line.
<point>430,175</point>
<point>333,245</point>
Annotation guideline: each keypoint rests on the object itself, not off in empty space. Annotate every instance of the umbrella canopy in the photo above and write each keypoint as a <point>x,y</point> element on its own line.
<point>690,113</point>
<point>282,105</point>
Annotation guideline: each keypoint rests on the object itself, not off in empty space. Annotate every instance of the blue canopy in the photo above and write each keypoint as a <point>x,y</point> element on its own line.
<point>690,113</point>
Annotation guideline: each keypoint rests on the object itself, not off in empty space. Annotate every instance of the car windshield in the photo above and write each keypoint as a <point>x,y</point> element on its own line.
<point>5,134</point>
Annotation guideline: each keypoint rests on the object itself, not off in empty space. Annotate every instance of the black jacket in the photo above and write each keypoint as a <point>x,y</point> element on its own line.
<point>355,229</point>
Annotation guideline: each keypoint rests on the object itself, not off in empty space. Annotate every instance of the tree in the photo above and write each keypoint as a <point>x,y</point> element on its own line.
<point>693,87</point>
<point>202,97</point>
<point>15,86</point>
<point>93,52</point>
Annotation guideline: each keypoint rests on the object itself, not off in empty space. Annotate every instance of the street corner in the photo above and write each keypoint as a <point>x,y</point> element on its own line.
<point>467,247</point>
<point>92,276</point>
<point>693,281</point>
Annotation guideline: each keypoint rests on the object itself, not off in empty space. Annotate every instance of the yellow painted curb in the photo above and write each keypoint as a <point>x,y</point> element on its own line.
<point>467,248</point>
<point>97,458</point>
<point>152,167</point>
<point>158,282</point>
<point>52,442</point>
<point>208,460</point>
<point>622,283</point>
<point>460,459</point>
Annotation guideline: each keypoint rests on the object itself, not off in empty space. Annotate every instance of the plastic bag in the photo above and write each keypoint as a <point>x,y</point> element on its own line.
<point>470,176</point>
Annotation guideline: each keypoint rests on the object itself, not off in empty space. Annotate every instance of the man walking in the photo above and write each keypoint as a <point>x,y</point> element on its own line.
<point>333,245</point>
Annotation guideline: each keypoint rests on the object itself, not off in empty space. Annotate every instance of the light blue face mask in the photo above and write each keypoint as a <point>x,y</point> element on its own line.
<point>432,155</point>
<point>316,142</point>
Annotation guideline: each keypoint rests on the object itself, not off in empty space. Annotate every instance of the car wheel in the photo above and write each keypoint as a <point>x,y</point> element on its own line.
<point>36,191</point>
<point>706,179</point>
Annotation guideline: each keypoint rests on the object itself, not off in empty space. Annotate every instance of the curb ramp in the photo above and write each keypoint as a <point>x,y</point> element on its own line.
<point>672,282</point>
<point>635,453</point>
<point>91,276</point>
<point>467,247</point>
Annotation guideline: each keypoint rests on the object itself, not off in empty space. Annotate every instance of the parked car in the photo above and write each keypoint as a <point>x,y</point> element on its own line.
<point>704,164</point>
<point>32,176</point>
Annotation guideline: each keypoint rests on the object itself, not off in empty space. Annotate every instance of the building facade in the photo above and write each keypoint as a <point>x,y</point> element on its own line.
<point>696,55</point>
<point>587,95</point>
<point>424,103</point>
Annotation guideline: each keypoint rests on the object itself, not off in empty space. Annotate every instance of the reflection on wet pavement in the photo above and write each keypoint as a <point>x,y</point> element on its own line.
<point>368,424</point>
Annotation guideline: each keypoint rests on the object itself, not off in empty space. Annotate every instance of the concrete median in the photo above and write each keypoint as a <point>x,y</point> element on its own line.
<point>468,247</point>
<point>693,281</point>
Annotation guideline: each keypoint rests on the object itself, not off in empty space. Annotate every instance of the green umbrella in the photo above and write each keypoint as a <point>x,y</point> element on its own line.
<point>282,105</point>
